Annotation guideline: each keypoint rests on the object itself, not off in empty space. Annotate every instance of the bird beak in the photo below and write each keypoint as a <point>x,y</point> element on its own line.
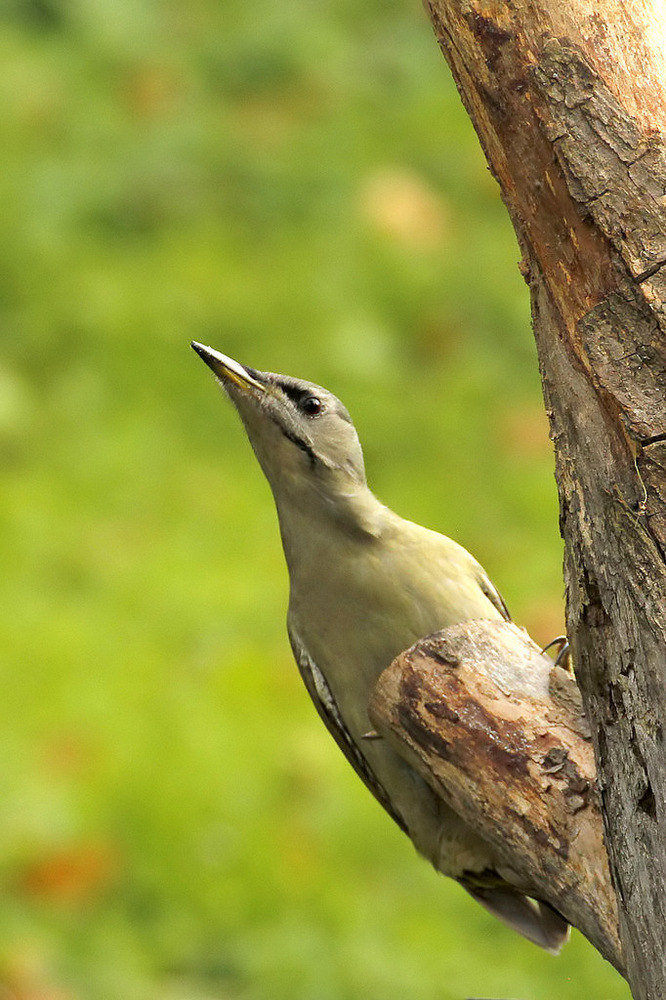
<point>226,369</point>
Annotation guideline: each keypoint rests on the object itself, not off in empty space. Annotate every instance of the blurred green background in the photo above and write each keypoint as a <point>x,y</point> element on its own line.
<point>298,186</point>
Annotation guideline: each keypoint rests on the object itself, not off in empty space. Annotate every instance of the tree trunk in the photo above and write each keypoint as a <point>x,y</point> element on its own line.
<point>568,100</point>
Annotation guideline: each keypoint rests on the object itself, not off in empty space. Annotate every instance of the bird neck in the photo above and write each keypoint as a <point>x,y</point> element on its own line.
<point>313,520</point>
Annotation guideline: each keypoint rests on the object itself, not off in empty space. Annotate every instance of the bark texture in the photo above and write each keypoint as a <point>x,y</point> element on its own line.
<point>569,102</point>
<point>498,731</point>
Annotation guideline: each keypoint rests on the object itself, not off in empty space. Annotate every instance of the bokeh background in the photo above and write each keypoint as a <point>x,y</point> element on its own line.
<point>297,185</point>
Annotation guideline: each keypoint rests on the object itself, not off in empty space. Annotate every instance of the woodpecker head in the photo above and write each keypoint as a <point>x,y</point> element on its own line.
<point>301,434</point>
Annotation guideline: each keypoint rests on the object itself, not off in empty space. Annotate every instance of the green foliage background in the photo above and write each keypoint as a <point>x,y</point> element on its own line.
<point>298,185</point>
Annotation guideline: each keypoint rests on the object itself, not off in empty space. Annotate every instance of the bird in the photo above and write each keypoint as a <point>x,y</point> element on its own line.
<point>364,585</point>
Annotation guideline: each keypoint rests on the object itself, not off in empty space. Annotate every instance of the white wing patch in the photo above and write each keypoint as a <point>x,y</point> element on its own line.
<point>493,595</point>
<point>324,693</point>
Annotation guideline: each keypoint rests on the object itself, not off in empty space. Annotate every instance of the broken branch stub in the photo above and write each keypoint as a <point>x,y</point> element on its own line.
<point>498,731</point>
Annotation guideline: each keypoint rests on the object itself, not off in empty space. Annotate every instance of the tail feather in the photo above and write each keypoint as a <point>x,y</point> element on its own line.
<point>535,920</point>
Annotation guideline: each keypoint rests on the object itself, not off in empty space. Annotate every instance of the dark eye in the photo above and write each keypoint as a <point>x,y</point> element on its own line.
<point>311,405</point>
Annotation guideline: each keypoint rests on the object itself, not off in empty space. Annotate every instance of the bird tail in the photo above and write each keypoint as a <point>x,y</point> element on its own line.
<point>535,920</point>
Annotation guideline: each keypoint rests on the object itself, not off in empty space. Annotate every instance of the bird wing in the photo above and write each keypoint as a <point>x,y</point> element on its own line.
<point>493,594</point>
<point>322,696</point>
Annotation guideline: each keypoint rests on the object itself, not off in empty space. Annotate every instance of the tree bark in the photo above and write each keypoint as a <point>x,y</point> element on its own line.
<point>569,101</point>
<point>498,731</point>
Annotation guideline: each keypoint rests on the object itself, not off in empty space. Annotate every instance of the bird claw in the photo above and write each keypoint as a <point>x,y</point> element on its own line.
<point>563,658</point>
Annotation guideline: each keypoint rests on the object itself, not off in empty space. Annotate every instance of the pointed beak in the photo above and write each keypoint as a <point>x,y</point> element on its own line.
<point>226,369</point>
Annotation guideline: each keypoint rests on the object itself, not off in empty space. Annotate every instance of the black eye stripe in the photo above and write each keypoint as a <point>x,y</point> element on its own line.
<point>293,392</point>
<point>299,394</point>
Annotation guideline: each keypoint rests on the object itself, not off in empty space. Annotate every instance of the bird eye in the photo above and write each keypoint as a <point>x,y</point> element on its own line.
<point>311,405</point>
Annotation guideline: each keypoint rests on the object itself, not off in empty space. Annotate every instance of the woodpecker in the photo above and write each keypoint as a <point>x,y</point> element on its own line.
<point>365,584</point>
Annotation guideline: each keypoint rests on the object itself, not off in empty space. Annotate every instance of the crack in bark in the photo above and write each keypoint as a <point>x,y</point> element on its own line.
<point>650,271</point>
<point>655,439</point>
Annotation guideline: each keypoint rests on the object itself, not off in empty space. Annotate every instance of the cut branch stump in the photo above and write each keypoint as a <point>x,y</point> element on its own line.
<point>497,729</point>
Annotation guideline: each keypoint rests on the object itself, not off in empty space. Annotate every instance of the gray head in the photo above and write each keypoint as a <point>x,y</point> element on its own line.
<point>301,433</point>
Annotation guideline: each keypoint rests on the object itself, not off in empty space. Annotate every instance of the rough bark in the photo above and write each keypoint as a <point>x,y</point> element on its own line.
<point>569,101</point>
<point>498,731</point>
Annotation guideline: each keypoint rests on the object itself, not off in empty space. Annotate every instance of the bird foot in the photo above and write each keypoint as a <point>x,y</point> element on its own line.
<point>563,658</point>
